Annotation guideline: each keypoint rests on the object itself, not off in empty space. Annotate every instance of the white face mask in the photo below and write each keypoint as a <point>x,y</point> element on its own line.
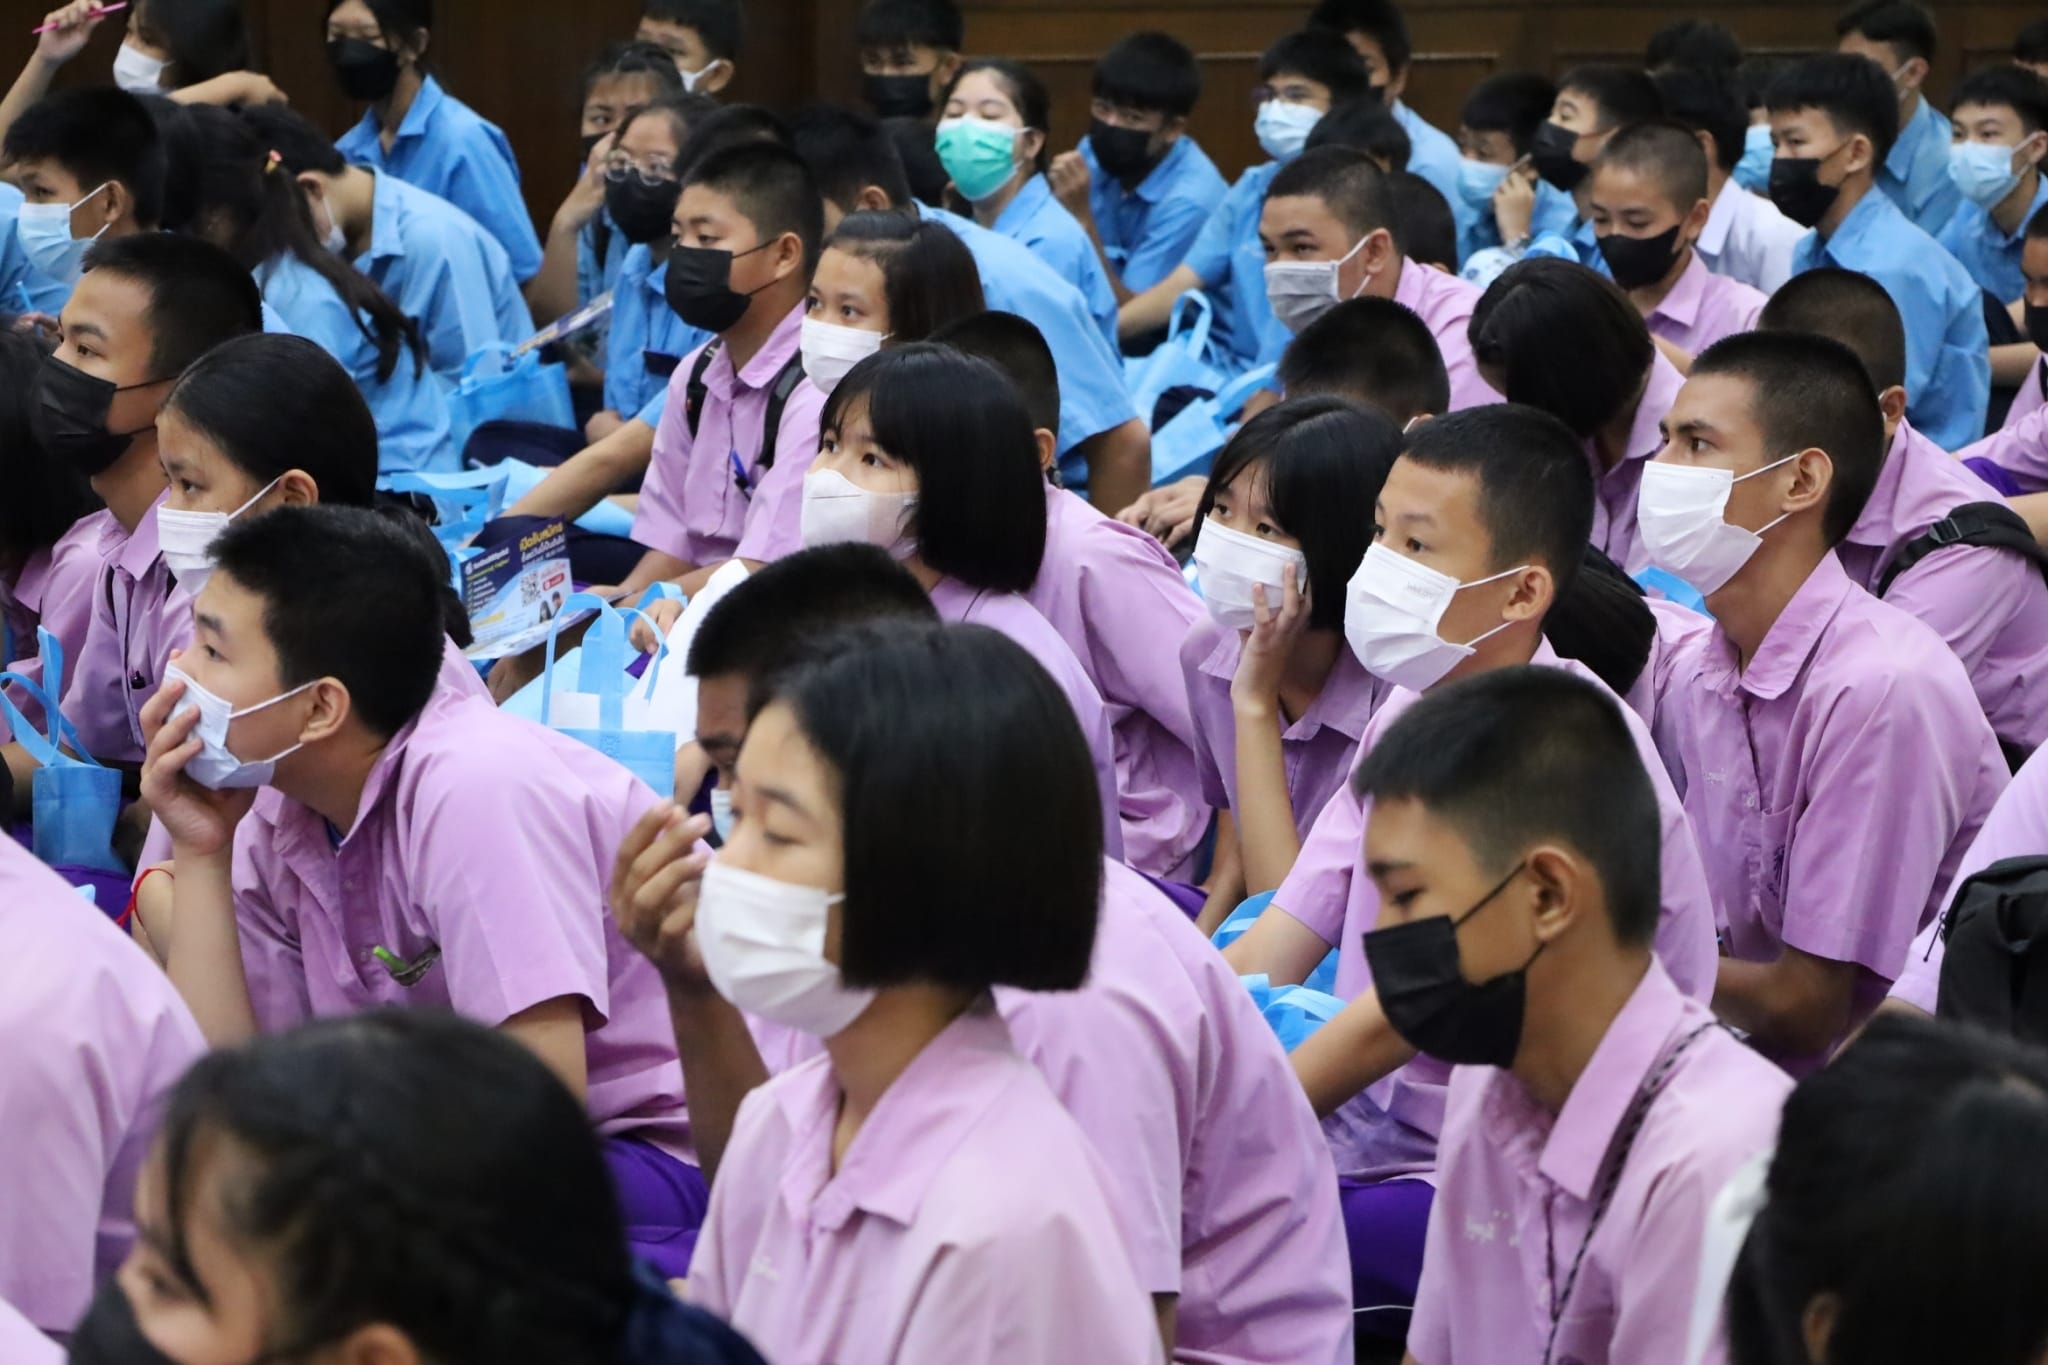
<point>836,510</point>
<point>1283,128</point>
<point>1230,564</point>
<point>1681,513</point>
<point>763,943</point>
<point>186,540</point>
<point>721,813</point>
<point>1302,291</point>
<point>692,79</point>
<point>137,72</point>
<point>45,234</point>
<point>830,350</point>
<point>1391,610</point>
<point>213,766</point>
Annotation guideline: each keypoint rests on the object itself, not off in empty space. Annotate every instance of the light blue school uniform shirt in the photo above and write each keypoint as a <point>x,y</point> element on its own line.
<point>1915,174</point>
<point>1948,361</point>
<point>23,288</point>
<point>1232,266</point>
<point>1554,213</point>
<point>445,273</point>
<point>1091,374</point>
<point>647,339</point>
<point>1043,224</point>
<point>410,408</point>
<point>447,148</point>
<point>1988,252</point>
<point>1147,231</point>
<point>1432,153</point>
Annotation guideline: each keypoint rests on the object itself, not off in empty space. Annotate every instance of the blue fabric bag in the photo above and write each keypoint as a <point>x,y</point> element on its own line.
<point>1292,1012</point>
<point>501,383</point>
<point>1183,360</point>
<point>1322,980</point>
<point>1188,444</point>
<point>463,501</point>
<point>603,711</point>
<point>74,799</point>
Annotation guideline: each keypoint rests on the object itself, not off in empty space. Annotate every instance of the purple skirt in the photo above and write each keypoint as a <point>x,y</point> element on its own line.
<point>662,1199</point>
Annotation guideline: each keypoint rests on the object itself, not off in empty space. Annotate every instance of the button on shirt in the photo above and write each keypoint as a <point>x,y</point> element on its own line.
<point>1445,304</point>
<point>139,615</point>
<point>1517,1185</point>
<point>1614,490</point>
<point>1044,226</point>
<point>1915,174</point>
<point>1119,601</point>
<point>1746,238</point>
<point>444,272</point>
<point>53,590</point>
<point>1792,771</point>
<point>1989,252</point>
<point>966,1222</point>
<point>1948,358</point>
<point>1232,267</point>
<point>447,148</point>
<point>645,348</point>
<point>1147,231</point>
<point>1703,307</point>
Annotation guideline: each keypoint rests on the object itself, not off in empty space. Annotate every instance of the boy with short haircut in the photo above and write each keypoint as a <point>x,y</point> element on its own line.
<point>1141,186</point>
<point>1833,120</point>
<point>1593,101</point>
<point>1899,36</point>
<point>1593,1118</point>
<point>1989,604</point>
<point>1500,198</point>
<point>95,151</point>
<point>1303,76</point>
<point>909,50</point>
<point>1800,718</point>
<point>2015,457</point>
<point>1379,31</point>
<point>1649,205</point>
<point>1428,229</point>
<point>1365,125</point>
<point>1746,238</point>
<point>702,35</point>
<point>1372,351</point>
<point>2030,48</point>
<point>2000,122</point>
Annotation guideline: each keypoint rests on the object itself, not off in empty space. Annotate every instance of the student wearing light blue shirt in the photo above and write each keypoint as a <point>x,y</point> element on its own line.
<point>23,288</point>
<point>1495,131</point>
<point>1832,118</point>
<point>1378,31</point>
<point>1899,36</point>
<point>2001,135</point>
<point>417,131</point>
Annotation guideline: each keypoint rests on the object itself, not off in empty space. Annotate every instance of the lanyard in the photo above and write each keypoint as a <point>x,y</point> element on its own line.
<point>1626,1132</point>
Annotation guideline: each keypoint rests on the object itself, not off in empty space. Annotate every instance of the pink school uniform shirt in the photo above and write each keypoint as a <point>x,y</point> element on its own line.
<point>692,505</point>
<point>1516,1186</point>
<point>966,1223</point>
<point>1675,626</point>
<point>53,590</point>
<point>482,848</point>
<point>22,1344</point>
<point>1703,307</point>
<point>1834,783</point>
<point>2020,447</point>
<point>1119,601</point>
<point>1989,605</point>
<point>1445,303</point>
<point>139,616</point>
<point>1319,747</point>
<point>1614,490</point>
<point>95,1038</point>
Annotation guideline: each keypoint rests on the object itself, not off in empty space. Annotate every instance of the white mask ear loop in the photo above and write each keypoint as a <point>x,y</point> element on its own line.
<point>1482,582</point>
<point>1346,257</point>
<point>1758,533</point>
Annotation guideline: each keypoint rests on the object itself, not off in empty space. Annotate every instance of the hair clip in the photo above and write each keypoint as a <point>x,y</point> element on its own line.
<point>275,160</point>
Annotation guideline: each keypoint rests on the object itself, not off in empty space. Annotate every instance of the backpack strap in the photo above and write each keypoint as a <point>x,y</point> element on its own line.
<point>1991,524</point>
<point>785,384</point>
<point>693,391</point>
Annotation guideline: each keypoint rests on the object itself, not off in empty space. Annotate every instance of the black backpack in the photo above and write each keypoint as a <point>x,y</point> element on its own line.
<point>1974,523</point>
<point>1995,971</point>
<point>786,380</point>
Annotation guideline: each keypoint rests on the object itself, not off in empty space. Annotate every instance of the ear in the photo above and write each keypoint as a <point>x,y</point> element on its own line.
<point>1030,143</point>
<point>789,251</point>
<point>297,488</point>
<point>1048,449</point>
<point>1696,220</point>
<point>378,1344</point>
<point>1817,1324</point>
<point>871,197</point>
<point>328,712</point>
<point>1812,478</point>
<point>117,203</point>
<point>1892,403</point>
<point>1380,251</point>
<point>1534,593</point>
<point>416,50</point>
<point>717,75</point>
<point>1171,130</point>
<point>1862,154</point>
<point>1564,890</point>
<point>1707,145</point>
<point>943,73</point>
<point>1913,73</point>
<point>310,185</point>
<point>1397,83</point>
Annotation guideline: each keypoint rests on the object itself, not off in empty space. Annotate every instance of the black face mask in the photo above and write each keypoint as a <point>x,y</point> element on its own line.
<point>366,71</point>
<point>1797,190</point>
<point>1638,261</point>
<point>898,96</point>
<point>699,286</point>
<point>109,1335</point>
<point>1425,996</point>
<point>1125,153</point>
<point>642,211</point>
<point>2037,326</point>
<point>69,417</point>
<point>1550,152</point>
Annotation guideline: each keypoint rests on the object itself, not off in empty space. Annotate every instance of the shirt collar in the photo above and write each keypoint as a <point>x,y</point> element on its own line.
<point>760,371</point>
<point>1160,179</point>
<point>1865,221</point>
<point>1579,1142</point>
<point>414,124</point>
<point>1413,285</point>
<point>143,547</point>
<point>1720,219</point>
<point>1906,147</point>
<point>1790,641</point>
<point>1646,434</point>
<point>386,242</point>
<point>1682,304</point>
<point>1346,702</point>
<point>1031,197</point>
<point>2013,238</point>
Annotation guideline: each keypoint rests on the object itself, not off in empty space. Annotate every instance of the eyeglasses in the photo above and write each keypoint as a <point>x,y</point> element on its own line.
<point>1287,92</point>
<point>620,169</point>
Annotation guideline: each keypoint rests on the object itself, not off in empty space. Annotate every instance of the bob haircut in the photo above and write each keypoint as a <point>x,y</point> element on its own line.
<point>1322,461</point>
<point>929,279</point>
<point>961,425</point>
<point>1515,329</point>
<point>947,741</point>
<point>241,394</point>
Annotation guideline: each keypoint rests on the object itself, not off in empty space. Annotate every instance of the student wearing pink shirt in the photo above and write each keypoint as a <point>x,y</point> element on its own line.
<point>1812,705</point>
<point>414,846</point>
<point>1648,201</point>
<point>2019,448</point>
<point>1595,1110</point>
<point>1989,604</point>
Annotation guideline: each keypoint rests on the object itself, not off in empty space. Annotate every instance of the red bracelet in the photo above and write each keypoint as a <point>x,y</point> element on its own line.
<point>127,915</point>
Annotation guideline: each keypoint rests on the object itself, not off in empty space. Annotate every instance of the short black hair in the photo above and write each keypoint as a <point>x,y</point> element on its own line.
<point>1902,25</point>
<point>2021,90</point>
<point>45,495</point>
<point>634,58</point>
<point>1854,92</point>
<point>1516,756</point>
<point>1664,152</point>
<point>206,38</point>
<point>766,622</point>
<point>199,296</point>
<point>947,741</point>
<point>1025,91</point>
<point>1809,392</point>
<point>1379,20</point>
<point>929,278</point>
<point>2030,44</point>
<point>1604,623</point>
<point>894,24</point>
<point>404,20</point>
<point>1696,45</point>
<point>1848,307</point>
<point>1424,227</point>
<point>848,151</point>
<point>1753,79</point>
<point>1321,56</point>
<point>1516,324</point>
<point>924,175</point>
<point>97,133</point>
<point>1364,124</point>
<point>1151,71</point>
<point>1347,182</point>
<point>961,425</point>
<point>241,394</point>
<point>719,127</point>
<point>347,594</point>
<point>1516,103</point>
<point>772,188</point>
<point>1374,351</point>
<point>1322,460</point>
<point>1015,346</point>
<point>717,23</point>
<point>1625,94</point>
<point>1535,487</point>
<point>298,144</point>
<point>1707,104</point>
<point>2037,226</point>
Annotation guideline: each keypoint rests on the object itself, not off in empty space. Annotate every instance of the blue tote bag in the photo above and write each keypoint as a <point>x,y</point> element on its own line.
<point>74,799</point>
<point>605,711</point>
<point>500,383</point>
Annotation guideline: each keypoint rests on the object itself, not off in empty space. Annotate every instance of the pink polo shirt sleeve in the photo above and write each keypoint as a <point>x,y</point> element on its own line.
<point>2020,448</point>
<point>1967,596</point>
<point>775,516</point>
<point>1209,708</point>
<point>658,523</point>
<point>1318,886</point>
<point>22,1344</point>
